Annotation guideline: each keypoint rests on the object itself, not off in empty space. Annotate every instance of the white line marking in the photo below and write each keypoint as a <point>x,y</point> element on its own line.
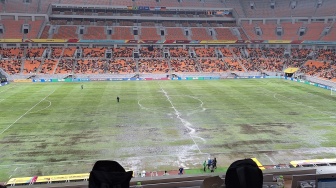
<point>302,104</point>
<point>43,108</point>
<point>26,112</point>
<point>184,122</point>
<point>269,158</point>
<point>6,89</point>
<point>200,108</point>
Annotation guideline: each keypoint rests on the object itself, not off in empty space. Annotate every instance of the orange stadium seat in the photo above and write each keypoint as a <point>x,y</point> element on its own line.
<point>66,32</point>
<point>149,34</point>
<point>31,66</point>
<point>13,29</point>
<point>48,66</point>
<point>122,33</point>
<point>95,33</point>
<point>225,34</point>
<point>290,31</point>
<point>200,34</point>
<point>175,34</point>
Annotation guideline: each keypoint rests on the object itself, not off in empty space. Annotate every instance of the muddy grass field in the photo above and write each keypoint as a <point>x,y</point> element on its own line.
<point>59,128</point>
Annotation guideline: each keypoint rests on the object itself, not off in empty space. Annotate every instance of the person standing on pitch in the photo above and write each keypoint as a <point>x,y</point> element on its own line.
<point>118,99</point>
<point>82,86</point>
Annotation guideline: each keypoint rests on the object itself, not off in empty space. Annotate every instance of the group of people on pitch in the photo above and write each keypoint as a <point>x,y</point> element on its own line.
<point>211,164</point>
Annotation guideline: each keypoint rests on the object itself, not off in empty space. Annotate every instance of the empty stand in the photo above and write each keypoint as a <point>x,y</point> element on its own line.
<point>66,32</point>
<point>169,3</point>
<point>13,29</point>
<point>314,31</point>
<point>250,32</point>
<point>331,36</point>
<point>122,33</point>
<point>175,34</point>
<point>35,27</point>
<point>269,31</point>
<point>225,34</point>
<point>95,33</point>
<point>45,32</point>
<point>290,31</point>
<point>200,34</point>
<point>149,34</point>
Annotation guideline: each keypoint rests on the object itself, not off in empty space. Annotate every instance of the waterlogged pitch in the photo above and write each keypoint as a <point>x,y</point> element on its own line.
<point>60,128</point>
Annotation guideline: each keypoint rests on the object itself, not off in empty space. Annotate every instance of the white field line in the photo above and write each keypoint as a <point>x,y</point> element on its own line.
<point>26,112</point>
<point>178,115</point>
<point>200,108</point>
<point>302,104</point>
<point>43,108</point>
<point>6,89</point>
<point>295,102</point>
<point>270,158</point>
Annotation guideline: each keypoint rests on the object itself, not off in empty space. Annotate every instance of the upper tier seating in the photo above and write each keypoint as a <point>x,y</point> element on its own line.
<point>249,29</point>
<point>169,3</point>
<point>95,33</point>
<point>290,31</point>
<point>200,34</point>
<point>66,32</point>
<point>149,34</point>
<point>13,29</point>
<point>268,31</point>
<point>122,33</point>
<point>35,27</point>
<point>225,34</point>
<point>331,36</point>
<point>314,31</point>
<point>175,34</point>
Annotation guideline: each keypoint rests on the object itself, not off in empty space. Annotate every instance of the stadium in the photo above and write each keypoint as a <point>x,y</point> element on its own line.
<point>159,85</point>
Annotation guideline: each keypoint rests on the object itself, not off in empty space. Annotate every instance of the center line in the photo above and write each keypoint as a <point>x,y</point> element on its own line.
<point>184,122</point>
<point>26,112</point>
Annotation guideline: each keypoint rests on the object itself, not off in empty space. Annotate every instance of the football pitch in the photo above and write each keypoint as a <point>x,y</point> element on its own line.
<point>60,128</point>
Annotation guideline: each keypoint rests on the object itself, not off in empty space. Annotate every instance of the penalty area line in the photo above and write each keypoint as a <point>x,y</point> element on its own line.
<point>26,112</point>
